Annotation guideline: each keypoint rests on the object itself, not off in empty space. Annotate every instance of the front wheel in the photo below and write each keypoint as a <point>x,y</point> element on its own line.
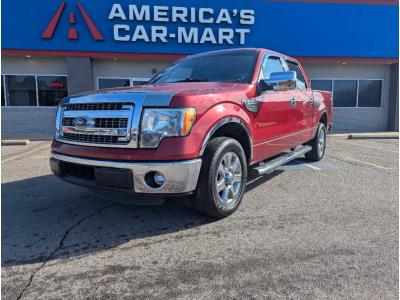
<point>318,144</point>
<point>222,178</point>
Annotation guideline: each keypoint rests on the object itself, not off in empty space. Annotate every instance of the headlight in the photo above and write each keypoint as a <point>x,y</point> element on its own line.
<point>160,123</point>
<point>58,121</point>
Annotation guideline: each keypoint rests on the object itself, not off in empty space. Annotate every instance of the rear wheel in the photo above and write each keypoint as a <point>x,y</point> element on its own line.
<point>222,178</point>
<point>318,144</point>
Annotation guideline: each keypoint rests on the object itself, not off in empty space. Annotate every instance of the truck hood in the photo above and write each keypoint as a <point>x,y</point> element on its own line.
<point>160,94</point>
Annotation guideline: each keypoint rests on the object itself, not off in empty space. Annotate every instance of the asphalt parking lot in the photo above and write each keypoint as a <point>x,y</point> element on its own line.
<point>321,230</point>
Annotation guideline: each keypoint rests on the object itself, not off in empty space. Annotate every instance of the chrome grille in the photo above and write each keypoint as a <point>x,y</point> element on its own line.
<point>95,106</point>
<point>92,124</point>
<point>86,138</point>
<point>68,121</point>
<point>101,122</point>
<point>111,122</point>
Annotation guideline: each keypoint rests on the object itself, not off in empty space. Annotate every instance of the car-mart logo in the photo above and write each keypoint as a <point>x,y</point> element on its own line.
<point>48,33</point>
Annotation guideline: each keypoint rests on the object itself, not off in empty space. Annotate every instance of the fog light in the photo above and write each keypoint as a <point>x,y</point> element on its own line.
<point>154,179</point>
<point>159,178</point>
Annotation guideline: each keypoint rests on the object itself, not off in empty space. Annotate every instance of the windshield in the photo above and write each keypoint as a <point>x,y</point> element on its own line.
<point>235,66</point>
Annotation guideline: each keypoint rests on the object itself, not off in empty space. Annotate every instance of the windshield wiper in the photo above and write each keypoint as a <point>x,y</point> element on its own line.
<point>191,80</point>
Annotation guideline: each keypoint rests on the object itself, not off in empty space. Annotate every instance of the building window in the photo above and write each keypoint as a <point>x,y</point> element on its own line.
<point>345,93</point>
<point>139,81</point>
<point>51,89</point>
<point>322,85</point>
<point>21,90</point>
<point>106,83</point>
<point>352,93</point>
<point>3,96</point>
<point>369,93</point>
<point>33,90</point>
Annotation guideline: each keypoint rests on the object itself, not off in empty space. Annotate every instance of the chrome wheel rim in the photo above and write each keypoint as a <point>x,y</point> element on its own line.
<point>228,181</point>
<point>321,142</point>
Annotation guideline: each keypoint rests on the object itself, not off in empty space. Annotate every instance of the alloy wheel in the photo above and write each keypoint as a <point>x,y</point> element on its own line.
<point>321,142</point>
<point>228,182</point>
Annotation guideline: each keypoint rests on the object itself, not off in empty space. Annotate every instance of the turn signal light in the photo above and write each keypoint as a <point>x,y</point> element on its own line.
<point>188,120</point>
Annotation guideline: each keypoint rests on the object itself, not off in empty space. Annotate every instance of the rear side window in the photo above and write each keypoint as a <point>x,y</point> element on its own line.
<point>301,82</point>
<point>270,65</point>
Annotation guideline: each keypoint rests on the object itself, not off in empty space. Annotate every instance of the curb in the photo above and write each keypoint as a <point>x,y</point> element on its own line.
<point>372,137</point>
<point>15,142</point>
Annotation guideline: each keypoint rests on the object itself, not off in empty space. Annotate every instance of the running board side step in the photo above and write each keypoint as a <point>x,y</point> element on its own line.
<point>270,166</point>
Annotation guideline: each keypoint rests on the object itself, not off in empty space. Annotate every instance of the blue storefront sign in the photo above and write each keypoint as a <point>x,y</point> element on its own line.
<point>305,29</point>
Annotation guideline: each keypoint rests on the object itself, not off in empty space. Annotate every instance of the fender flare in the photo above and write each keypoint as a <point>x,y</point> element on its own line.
<point>222,123</point>
<point>322,112</point>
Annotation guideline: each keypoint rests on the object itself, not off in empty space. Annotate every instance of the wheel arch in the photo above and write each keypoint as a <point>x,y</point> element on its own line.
<point>232,127</point>
<point>324,119</point>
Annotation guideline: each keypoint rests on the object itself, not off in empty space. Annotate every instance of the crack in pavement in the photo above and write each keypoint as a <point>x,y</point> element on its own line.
<point>34,150</point>
<point>60,245</point>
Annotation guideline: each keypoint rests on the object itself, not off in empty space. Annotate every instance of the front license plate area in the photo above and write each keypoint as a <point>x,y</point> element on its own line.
<point>114,178</point>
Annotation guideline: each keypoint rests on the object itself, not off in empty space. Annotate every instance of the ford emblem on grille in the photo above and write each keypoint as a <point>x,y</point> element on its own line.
<point>80,122</point>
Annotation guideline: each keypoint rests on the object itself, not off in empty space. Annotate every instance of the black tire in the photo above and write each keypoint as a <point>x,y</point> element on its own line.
<point>315,154</point>
<point>206,199</point>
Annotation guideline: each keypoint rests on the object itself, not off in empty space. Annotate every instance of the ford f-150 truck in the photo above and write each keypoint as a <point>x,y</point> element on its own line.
<point>196,129</point>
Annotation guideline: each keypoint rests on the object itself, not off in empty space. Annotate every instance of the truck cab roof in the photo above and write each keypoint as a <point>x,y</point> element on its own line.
<point>261,50</point>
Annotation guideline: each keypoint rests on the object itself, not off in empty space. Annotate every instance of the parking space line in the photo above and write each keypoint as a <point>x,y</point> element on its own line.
<point>313,167</point>
<point>25,153</point>
<point>364,162</point>
<point>371,147</point>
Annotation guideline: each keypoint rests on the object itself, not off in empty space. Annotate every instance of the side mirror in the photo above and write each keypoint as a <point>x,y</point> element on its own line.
<point>278,81</point>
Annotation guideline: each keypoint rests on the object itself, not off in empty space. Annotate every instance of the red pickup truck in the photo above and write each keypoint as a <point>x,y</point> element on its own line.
<point>196,129</point>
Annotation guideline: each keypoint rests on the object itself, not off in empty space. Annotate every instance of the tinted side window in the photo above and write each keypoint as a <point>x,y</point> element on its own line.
<point>301,82</point>
<point>271,65</point>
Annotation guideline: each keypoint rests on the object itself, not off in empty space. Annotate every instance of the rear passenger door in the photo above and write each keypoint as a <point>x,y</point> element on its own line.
<point>303,111</point>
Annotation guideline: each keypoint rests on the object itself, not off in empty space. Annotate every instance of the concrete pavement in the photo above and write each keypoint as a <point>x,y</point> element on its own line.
<point>322,230</point>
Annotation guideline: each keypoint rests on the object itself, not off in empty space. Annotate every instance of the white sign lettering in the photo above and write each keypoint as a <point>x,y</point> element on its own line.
<point>186,25</point>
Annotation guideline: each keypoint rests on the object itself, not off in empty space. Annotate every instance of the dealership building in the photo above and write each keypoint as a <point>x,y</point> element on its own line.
<point>51,49</point>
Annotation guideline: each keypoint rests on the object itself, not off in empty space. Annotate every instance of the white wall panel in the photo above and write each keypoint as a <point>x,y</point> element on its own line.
<point>33,65</point>
<point>28,122</point>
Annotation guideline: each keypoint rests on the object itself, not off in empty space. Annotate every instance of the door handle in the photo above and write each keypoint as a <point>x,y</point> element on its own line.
<point>292,102</point>
<point>310,101</point>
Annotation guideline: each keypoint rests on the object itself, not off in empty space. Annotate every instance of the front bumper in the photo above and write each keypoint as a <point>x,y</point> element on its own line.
<point>180,176</point>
